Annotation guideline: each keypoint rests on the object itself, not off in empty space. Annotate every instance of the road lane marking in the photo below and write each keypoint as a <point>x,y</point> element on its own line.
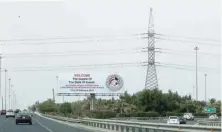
<point>78,126</point>
<point>43,125</point>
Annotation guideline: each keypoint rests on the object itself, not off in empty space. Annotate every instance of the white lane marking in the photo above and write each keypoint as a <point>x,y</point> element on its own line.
<point>43,126</point>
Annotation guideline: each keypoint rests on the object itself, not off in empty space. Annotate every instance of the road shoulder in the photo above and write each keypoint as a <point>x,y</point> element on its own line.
<point>75,125</point>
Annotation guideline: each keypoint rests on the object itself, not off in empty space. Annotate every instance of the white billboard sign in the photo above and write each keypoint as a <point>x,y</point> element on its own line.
<point>90,83</point>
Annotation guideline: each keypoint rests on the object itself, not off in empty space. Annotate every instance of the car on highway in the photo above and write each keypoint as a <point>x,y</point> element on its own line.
<point>173,120</point>
<point>188,116</point>
<point>23,117</point>
<point>17,111</point>
<point>3,112</point>
<point>213,117</point>
<point>10,113</point>
<point>182,120</point>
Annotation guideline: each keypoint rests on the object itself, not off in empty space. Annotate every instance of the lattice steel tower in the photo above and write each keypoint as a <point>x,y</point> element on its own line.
<point>151,76</point>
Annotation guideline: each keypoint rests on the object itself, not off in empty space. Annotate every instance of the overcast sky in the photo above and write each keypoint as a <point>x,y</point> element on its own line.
<point>118,22</point>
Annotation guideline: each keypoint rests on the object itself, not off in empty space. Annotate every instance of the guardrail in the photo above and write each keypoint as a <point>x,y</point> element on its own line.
<point>209,123</point>
<point>127,126</point>
<point>149,118</point>
<point>139,118</point>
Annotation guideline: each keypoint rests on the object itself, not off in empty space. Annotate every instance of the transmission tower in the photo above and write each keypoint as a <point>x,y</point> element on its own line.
<point>151,76</point>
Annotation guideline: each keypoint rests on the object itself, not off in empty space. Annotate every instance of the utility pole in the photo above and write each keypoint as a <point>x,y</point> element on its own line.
<point>196,49</point>
<point>193,91</point>
<point>9,86</point>
<point>5,86</point>
<point>151,75</point>
<point>205,88</point>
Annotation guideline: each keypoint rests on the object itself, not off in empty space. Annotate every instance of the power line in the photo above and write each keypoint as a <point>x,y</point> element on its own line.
<point>192,38</point>
<point>108,65</point>
<point>186,41</point>
<point>171,51</point>
<point>69,42</point>
<point>180,66</point>
<point>70,38</point>
<point>76,52</point>
<point>187,66</point>
<point>187,69</point>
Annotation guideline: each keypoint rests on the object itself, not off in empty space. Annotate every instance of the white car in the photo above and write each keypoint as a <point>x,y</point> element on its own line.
<point>173,120</point>
<point>214,116</point>
<point>188,116</point>
<point>10,113</point>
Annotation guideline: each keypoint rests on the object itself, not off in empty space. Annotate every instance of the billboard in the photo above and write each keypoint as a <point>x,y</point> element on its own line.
<point>91,83</point>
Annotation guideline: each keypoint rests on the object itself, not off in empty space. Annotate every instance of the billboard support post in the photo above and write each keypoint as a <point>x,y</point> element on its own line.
<point>92,101</point>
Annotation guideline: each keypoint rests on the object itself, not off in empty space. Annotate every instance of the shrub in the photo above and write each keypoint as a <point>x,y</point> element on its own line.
<point>102,114</point>
<point>174,114</point>
<point>139,114</point>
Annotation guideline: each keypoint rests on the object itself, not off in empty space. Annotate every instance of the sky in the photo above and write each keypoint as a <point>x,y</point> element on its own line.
<point>114,27</point>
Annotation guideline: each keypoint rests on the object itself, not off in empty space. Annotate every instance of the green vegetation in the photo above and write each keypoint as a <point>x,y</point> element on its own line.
<point>146,103</point>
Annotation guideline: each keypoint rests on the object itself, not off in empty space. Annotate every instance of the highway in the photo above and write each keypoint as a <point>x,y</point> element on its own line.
<point>40,124</point>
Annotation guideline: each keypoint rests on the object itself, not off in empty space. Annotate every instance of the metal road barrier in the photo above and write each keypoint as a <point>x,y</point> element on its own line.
<point>129,126</point>
<point>139,118</point>
<point>149,118</point>
<point>209,123</point>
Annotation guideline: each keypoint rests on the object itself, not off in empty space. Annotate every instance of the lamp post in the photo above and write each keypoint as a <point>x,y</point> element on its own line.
<point>9,94</point>
<point>205,88</point>
<point>5,86</point>
<point>196,49</point>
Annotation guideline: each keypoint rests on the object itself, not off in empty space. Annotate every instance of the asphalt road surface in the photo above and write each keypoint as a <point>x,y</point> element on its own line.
<point>39,125</point>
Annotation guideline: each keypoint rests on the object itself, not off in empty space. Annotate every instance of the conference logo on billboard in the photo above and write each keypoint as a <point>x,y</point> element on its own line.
<point>114,82</point>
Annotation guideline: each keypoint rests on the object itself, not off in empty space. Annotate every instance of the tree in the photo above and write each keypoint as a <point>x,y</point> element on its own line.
<point>212,101</point>
<point>76,108</point>
<point>149,102</point>
<point>65,108</point>
<point>47,106</point>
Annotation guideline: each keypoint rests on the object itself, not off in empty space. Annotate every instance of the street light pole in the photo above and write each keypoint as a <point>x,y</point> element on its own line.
<point>9,87</point>
<point>57,81</point>
<point>1,80</point>
<point>205,88</point>
<point>196,48</point>
<point>53,95</point>
<point>5,86</point>
<point>12,97</point>
<point>13,100</point>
